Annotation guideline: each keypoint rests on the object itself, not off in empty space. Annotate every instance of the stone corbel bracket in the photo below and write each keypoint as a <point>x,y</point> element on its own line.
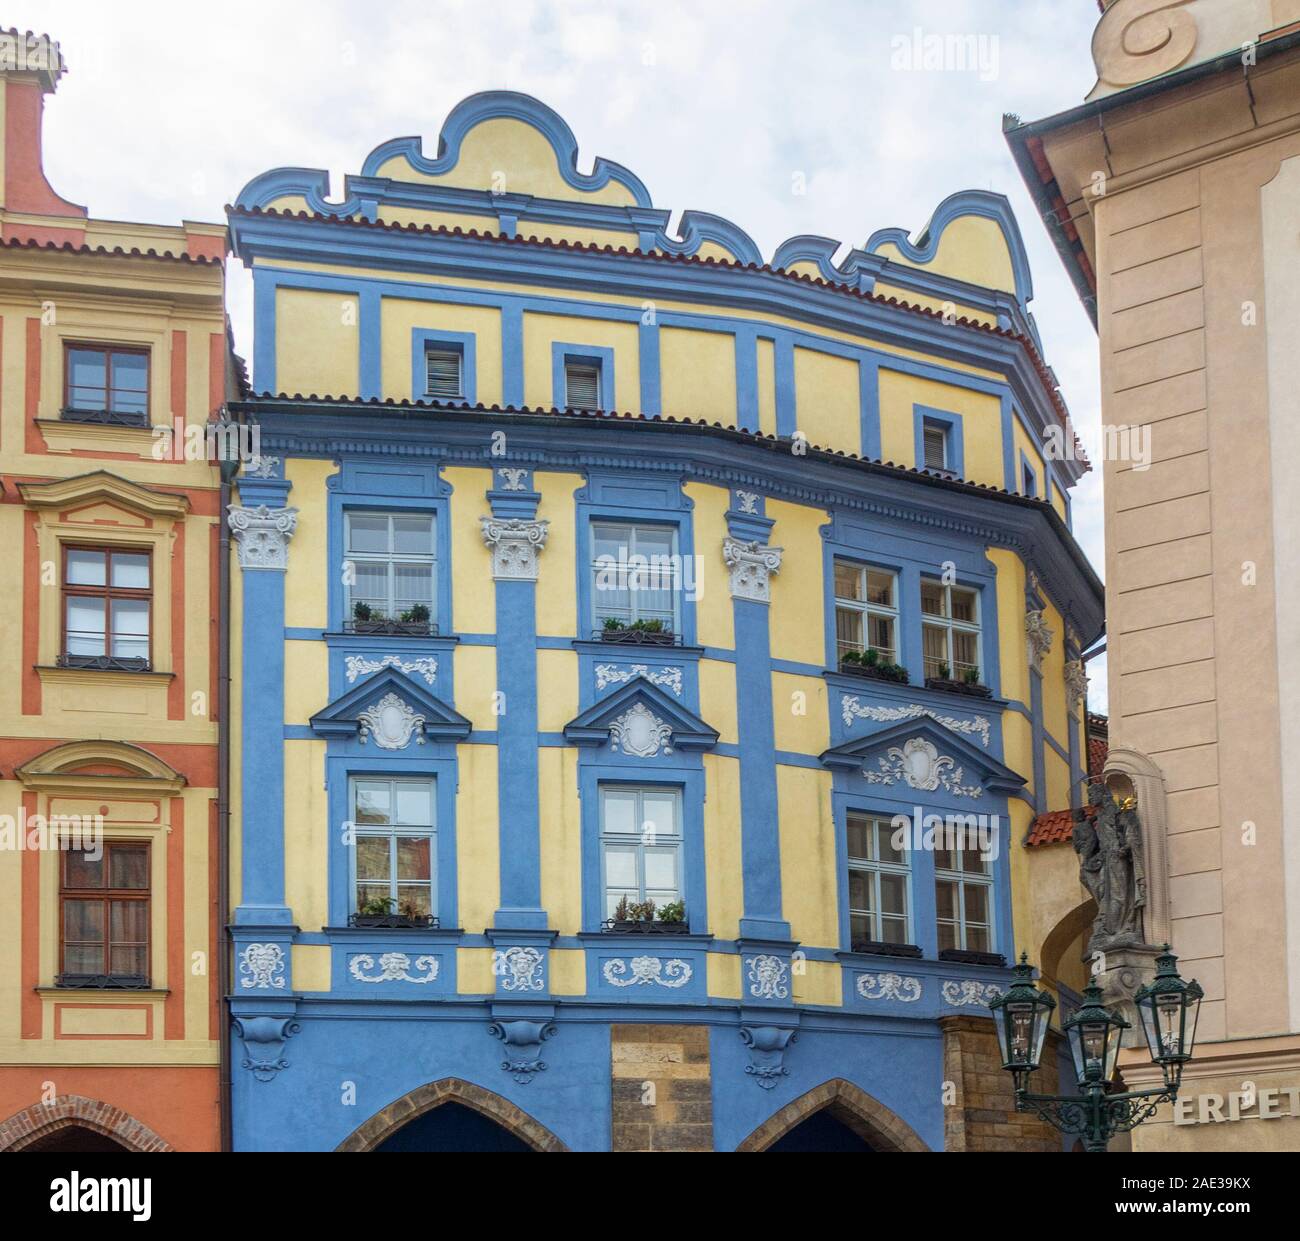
<point>523,1046</point>
<point>767,1047</point>
<point>264,1039</point>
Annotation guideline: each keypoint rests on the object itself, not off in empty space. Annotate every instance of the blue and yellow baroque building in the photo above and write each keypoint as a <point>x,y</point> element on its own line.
<point>601,596</point>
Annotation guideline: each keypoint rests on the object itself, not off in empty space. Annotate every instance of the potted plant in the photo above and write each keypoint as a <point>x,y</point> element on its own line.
<point>642,632</point>
<point>644,918</point>
<point>369,619</point>
<point>377,911</point>
<point>869,664</point>
<point>968,683</point>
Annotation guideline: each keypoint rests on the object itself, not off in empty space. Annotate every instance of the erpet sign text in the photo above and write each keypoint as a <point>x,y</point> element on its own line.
<point>1263,1104</point>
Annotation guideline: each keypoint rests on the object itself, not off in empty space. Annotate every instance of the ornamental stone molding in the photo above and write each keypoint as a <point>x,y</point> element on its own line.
<point>1038,637</point>
<point>899,987</point>
<point>752,565</point>
<point>767,1047</point>
<point>748,502</point>
<point>920,766</point>
<point>393,967</point>
<point>647,971</point>
<point>1137,40</point>
<point>519,968</point>
<point>262,535</point>
<point>619,674</point>
<point>523,1045</point>
<point>264,1039</point>
<point>852,707</point>
<point>1076,682</point>
<point>359,665</point>
<point>511,478</point>
<point>640,733</point>
<point>392,722</point>
<point>515,544</point>
<point>261,967</point>
<point>262,467</point>
<point>968,991</point>
<point>767,976</point>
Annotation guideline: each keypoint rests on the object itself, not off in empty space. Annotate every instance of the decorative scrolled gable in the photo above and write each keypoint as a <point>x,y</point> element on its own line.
<point>392,712</point>
<point>923,756</point>
<point>641,721</point>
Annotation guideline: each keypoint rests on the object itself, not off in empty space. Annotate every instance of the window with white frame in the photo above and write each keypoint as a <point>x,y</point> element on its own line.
<point>640,846</point>
<point>634,576</point>
<point>444,372</point>
<point>963,896</point>
<point>394,834</point>
<point>879,878</point>
<point>866,610</point>
<point>393,565</point>
<point>950,631</point>
<point>582,382</point>
<point>934,443</point>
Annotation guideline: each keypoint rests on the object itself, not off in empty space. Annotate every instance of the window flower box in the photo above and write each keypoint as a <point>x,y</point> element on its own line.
<point>643,926</point>
<point>639,634</point>
<point>390,628</point>
<point>875,948</point>
<point>962,956</point>
<point>858,665</point>
<point>953,686</point>
<point>393,922</point>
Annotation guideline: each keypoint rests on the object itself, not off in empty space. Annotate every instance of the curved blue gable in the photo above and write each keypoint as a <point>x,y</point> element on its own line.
<point>984,203</point>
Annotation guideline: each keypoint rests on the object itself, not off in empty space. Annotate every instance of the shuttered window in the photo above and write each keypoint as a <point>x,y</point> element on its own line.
<point>582,385</point>
<point>443,373</point>
<point>936,448</point>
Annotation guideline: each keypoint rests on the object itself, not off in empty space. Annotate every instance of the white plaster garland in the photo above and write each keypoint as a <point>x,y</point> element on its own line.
<point>767,977</point>
<point>921,766</point>
<point>852,707</point>
<point>264,966</point>
<point>905,989</point>
<point>392,722</point>
<point>647,971</point>
<point>519,968</point>
<point>359,665</point>
<point>1038,637</point>
<point>616,674</point>
<point>752,565</point>
<point>968,991</point>
<point>514,544</point>
<point>393,967</point>
<point>262,535</point>
<point>640,733</point>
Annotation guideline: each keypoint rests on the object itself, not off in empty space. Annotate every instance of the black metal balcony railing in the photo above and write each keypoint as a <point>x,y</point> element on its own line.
<point>105,663</point>
<point>383,626</point>
<point>878,948</point>
<point>966,956</point>
<point>393,922</point>
<point>104,982</point>
<point>106,417</point>
<point>629,635</point>
<point>643,926</point>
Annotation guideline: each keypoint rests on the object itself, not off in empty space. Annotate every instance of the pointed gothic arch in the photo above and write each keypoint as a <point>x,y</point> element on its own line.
<point>25,1130</point>
<point>869,1119</point>
<point>383,1124</point>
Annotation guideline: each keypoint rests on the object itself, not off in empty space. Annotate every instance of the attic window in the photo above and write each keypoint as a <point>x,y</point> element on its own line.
<point>443,367</point>
<point>582,385</point>
<point>935,439</point>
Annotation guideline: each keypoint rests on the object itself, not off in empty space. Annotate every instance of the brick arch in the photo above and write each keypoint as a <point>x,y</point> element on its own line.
<point>872,1121</point>
<point>383,1124</point>
<point>24,1129</point>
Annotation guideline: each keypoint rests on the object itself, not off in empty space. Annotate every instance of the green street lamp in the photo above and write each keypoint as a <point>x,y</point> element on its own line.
<point>1168,1007</point>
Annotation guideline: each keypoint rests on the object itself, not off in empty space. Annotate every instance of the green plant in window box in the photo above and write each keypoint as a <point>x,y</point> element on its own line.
<point>673,913</point>
<point>416,614</point>
<point>362,611</point>
<point>623,911</point>
<point>871,657</point>
<point>643,911</point>
<point>945,672</point>
<point>376,907</point>
<point>971,676</point>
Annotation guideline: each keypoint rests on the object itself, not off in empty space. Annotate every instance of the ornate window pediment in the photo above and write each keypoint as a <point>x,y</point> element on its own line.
<point>924,756</point>
<point>102,765</point>
<point>85,490</point>
<point>391,711</point>
<point>641,721</point>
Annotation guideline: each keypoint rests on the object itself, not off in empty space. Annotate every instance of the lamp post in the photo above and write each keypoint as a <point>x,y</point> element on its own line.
<point>1168,1007</point>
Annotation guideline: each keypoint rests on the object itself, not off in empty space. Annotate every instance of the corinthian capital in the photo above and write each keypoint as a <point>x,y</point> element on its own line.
<point>515,544</point>
<point>262,535</point>
<point>752,566</point>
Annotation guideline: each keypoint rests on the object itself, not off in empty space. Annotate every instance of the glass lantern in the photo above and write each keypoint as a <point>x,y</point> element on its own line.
<point>1020,1017</point>
<point>1169,1008</point>
<point>1094,1035</point>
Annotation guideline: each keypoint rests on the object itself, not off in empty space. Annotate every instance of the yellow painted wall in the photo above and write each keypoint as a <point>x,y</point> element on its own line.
<point>306,603</point>
<point>971,248</point>
<point>766,386</point>
<point>981,416</point>
<point>557,609</point>
<point>697,374</point>
<point>561,838</point>
<point>541,331</point>
<point>317,342</point>
<point>307,828</point>
<point>827,399</point>
<point>714,622</point>
<point>800,713</point>
<point>473,608</point>
<point>797,609</point>
<point>478,854</point>
<point>722,845</point>
<point>809,880</point>
<point>400,317</point>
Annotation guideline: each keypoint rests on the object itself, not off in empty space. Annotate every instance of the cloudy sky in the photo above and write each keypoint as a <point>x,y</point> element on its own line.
<point>717,106</point>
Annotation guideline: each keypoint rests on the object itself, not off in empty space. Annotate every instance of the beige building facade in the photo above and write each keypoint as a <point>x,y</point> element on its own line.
<point>1173,196</point>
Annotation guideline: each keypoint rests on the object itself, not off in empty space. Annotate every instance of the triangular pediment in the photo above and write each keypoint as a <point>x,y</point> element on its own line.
<point>393,711</point>
<point>923,754</point>
<point>642,720</point>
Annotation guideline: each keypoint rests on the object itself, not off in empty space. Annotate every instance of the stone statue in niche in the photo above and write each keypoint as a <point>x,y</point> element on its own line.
<point>1111,869</point>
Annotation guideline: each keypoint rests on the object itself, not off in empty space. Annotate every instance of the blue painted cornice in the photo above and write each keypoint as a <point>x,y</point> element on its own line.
<point>592,726</point>
<point>993,775</point>
<point>342,717</point>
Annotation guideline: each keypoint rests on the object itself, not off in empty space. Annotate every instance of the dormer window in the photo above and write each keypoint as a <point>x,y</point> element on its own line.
<point>935,440</point>
<point>582,384</point>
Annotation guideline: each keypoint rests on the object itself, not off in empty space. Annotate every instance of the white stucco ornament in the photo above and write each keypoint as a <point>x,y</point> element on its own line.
<point>767,976</point>
<point>1038,638</point>
<point>647,971</point>
<point>920,766</point>
<point>262,535</point>
<point>515,545</point>
<point>752,565</point>
<point>392,722</point>
<point>261,966</point>
<point>1076,682</point>
<point>640,733</point>
<point>899,987</point>
<point>519,968</point>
